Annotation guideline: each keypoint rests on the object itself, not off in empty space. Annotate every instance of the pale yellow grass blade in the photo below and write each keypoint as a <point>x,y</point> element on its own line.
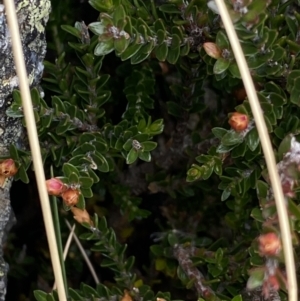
<point>267,149</point>
<point>34,143</point>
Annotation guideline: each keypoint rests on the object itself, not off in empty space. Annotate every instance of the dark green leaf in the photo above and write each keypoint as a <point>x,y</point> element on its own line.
<point>40,295</point>
<point>173,54</point>
<point>86,192</point>
<point>101,6</point>
<point>142,54</point>
<point>232,138</point>
<point>221,65</point>
<point>294,209</point>
<point>252,139</point>
<point>161,51</point>
<point>131,50</point>
<point>234,70</point>
<point>104,48</point>
<point>172,239</point>
<point>89,291</point>
<point>100,161</point>
<point>294,97</point>
<point>145,156</point>
<point>75,295</point>
<point>257,215</point>
<point>58,105</point>
<point>222,40</point>
<point>149,145</point>
<point>50,297</point>
<point>119,14</point>
<point>14,152</point>
<point>157,250</point>
<point>121,44</point>
<point>68,169</point>
<point>174,109</point>
<point>81,202</point>
<point>262,189</point>
<point>73,178</point>
<point>86,182</point>
<point>237,298</point>
<point>256,278</point>
<point>129,263</point>
<point>219,132</point>
<point>132,156</point>
<point>23,174</point>
<point>169,8</point>
<point>284,146</point>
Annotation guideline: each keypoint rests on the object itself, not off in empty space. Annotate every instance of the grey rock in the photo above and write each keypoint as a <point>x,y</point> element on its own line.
<point>32,16</point>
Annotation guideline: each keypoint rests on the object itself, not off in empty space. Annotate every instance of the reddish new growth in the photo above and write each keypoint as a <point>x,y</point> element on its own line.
<point>8,168</point>
<point>56,187</point>
<point>212,50</point>
<point>70,197</point>
<point>269,244</point>
<point>238,122</point>
<point>271,282</point>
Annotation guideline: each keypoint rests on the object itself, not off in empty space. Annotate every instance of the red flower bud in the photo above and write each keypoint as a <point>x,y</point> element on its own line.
<point>8,168</point>
<point>271,284</point>
<point>55,186</point>
<point>212,50</point>
<point>238,121</point>
<point>287,188</point>
<point>269,244</point>
<point>81,216</point>
<point>70,197</point>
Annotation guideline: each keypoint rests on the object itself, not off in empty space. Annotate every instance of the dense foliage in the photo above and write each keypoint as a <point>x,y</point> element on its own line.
<point>135,123</point>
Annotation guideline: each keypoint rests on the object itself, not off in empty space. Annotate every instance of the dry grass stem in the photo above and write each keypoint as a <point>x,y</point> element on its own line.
<point>34,143</point>
<point>267,149</point>
<point>88,262</point>
<point>66,249</point>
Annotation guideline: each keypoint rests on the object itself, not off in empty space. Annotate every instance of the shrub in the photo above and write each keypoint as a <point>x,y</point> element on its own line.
<point>147,110</point>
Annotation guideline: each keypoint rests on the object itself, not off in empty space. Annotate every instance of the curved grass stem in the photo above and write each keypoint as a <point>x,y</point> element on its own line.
<point>34,144</point>
<point>267,149</point>
<point>83,253</point>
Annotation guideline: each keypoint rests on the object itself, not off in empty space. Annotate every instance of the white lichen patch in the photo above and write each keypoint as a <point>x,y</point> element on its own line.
<point>32,17</point>
<point>39,12</point>
<point>14,82</point>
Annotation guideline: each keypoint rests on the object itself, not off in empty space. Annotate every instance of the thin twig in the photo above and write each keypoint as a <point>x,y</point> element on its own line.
<point>267,149</point>
<point>34,143</point>
<point>183,257</point>
<point>88,262</point>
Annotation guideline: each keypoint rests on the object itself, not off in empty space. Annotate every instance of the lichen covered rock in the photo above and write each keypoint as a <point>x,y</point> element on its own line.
<point>32,16</point>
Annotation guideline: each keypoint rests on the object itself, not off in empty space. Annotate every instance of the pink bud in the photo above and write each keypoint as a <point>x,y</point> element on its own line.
<point>238,121</point>
<point>212,50</point>
<point>269,244</point>
<point>8,168</point>
<point>55,186</point>
<point>71,197</point>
